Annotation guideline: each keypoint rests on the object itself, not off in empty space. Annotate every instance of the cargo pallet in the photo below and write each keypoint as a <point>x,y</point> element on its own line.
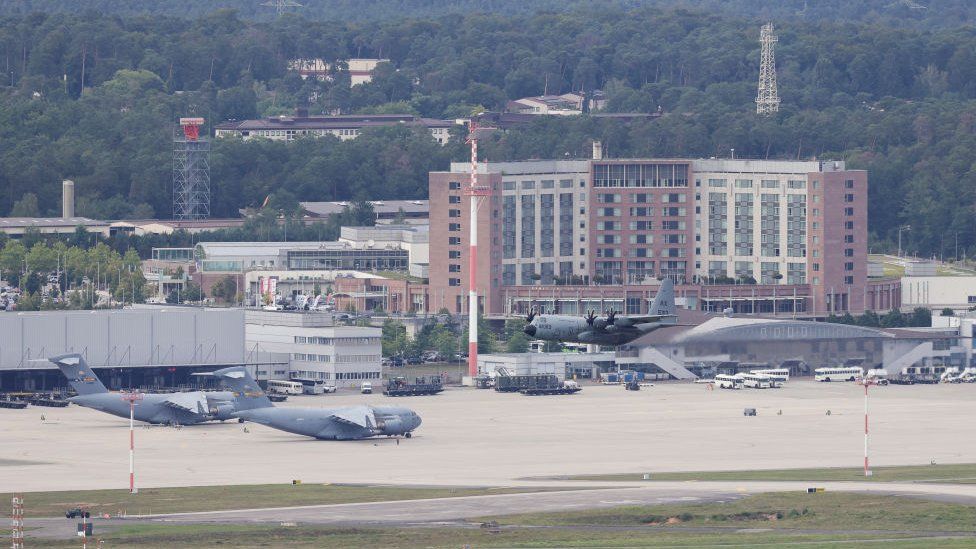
<point>551,391</point>
<point>49,402</point>
<point>398,386</point>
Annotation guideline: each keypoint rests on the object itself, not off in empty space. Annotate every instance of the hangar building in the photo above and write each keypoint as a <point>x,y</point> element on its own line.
<point>721,344</point>
<point>137,347</point>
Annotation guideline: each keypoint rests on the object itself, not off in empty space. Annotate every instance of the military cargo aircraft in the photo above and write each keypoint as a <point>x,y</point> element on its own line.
<point>615,329</point>
<point>345,423</point>
<point>166,409</point>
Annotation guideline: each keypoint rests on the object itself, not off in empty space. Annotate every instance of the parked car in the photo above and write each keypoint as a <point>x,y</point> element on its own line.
<point>366,388</point>
<point>77,512</point>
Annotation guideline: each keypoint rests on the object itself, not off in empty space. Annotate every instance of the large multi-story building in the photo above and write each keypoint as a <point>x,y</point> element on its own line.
<point>610,228</point>
<point>344,127</point>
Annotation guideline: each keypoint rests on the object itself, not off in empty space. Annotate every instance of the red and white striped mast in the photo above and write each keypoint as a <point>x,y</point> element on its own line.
<point>476,193</point>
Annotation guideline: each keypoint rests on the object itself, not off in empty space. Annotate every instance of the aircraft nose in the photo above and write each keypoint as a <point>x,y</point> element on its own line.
<point>529,330</point>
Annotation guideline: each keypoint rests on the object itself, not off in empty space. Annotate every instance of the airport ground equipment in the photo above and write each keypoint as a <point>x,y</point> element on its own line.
<point>13,404</point>
<point>277,398</point>
<point>749,412</point>
<point>77,512</point>
<point>535,384</point>
<point>400,386</point>
<point>49,402</point>
<point>632,385</point>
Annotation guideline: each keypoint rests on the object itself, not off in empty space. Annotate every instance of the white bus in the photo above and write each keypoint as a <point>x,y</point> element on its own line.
<point>781,375</point>
<point>724,381</point>
<point>283,387</point>
<point>846,373</point>
<point>755,381</point>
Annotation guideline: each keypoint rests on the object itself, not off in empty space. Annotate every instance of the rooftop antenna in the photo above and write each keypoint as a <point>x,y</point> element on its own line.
<point>281,6</point>
<point>767,100</point>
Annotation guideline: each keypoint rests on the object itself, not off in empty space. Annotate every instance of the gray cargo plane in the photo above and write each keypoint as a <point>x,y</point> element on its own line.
<point>613,330</point>
<point>346,423</point>
<point>167,409</point>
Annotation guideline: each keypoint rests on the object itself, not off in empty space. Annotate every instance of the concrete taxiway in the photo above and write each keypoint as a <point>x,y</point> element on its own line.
<point>478,437</point>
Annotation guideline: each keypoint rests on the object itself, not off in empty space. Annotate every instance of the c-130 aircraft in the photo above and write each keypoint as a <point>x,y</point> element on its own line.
<point>613,330</point>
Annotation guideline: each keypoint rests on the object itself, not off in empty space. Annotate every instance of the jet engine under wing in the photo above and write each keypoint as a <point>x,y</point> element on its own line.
<point>358,416</point>
<point>194,402</point>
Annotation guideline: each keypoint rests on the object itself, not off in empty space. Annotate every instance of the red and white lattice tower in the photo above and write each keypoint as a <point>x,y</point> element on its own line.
<point>17,521</point>
<point>476,193</point>
<point>191,171</point>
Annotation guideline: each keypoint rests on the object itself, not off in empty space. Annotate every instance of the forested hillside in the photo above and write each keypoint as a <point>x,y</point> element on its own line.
<point>913,13</point>
<point>900,102</point>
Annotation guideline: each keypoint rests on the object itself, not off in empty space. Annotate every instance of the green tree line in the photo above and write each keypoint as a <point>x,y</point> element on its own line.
<point>94,98</point>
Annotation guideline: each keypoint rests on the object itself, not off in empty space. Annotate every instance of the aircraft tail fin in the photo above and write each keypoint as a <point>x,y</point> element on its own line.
<point>663,303</point>
<point>81,377</point>
<point>248,395</point>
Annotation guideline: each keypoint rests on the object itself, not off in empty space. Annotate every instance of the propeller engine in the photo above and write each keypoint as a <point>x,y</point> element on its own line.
<point>590,317</point>
<point>530,316</point>
<point>611,317</point>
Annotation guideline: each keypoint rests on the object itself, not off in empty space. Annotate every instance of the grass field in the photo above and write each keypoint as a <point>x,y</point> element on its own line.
<point>780,510</point>
<point>167,537</point>
<point>953,473</point>
<point>216,498</point>
<point>807,520</point>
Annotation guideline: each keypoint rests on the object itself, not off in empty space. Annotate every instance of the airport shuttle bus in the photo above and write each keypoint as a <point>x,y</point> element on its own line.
<point>724,381</point>
<point>847,373</point>
<point>777,376</point>
<point>283,387</point>
<point>755,381</point>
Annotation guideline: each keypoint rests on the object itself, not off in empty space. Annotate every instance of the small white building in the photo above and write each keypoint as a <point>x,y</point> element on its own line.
<point>938,292</point>
<point>313,347</point>
<point>563,365</point>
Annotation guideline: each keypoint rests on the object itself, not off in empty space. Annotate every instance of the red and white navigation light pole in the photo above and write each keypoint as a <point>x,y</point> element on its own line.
<point>866,382</point>
<point>476,193</point>
<point>132,398</point>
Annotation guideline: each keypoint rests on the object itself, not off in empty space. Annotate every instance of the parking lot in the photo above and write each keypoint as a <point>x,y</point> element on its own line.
<point>479,437</point>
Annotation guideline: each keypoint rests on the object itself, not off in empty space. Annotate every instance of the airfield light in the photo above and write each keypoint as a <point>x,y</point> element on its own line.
<point>132,398</point>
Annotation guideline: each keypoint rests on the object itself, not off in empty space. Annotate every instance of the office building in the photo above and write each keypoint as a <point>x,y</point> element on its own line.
<point>598,229</point>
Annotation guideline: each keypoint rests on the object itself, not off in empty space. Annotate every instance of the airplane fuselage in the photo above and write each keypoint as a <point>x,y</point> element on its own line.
<point>574,329</point>
<point>321,424</point>
<point>151,408</point>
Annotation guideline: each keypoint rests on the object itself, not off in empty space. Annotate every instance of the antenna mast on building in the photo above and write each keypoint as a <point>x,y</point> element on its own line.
<point>477,193</point>
<point>191,172</point>
<point>767,100</point>
<point>281,6</point>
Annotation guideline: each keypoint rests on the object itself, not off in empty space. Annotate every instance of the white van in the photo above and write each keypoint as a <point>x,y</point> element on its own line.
<point>366,388</point>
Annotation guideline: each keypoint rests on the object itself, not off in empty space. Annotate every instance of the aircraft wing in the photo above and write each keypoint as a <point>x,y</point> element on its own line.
<point>359,416</point>
<point>633,320</point>
<point>194,402</point>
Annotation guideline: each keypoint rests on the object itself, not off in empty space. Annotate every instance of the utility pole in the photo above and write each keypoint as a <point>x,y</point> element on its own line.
<point>900,229</point>
<point>767,98</point>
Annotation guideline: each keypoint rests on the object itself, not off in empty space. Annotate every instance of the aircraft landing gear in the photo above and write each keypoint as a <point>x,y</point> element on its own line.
<point>408,434</point>
<point>240,420</point>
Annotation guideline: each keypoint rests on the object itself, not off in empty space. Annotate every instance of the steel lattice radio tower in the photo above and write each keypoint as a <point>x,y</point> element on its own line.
<point>191,172</point>
<point>281,6</point>
<point>767,100</point>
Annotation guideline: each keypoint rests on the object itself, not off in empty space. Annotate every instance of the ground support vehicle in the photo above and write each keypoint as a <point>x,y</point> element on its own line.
<point>400,386</point>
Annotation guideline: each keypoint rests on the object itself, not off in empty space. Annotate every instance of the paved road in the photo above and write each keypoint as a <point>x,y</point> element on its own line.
<point>459,509</point>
